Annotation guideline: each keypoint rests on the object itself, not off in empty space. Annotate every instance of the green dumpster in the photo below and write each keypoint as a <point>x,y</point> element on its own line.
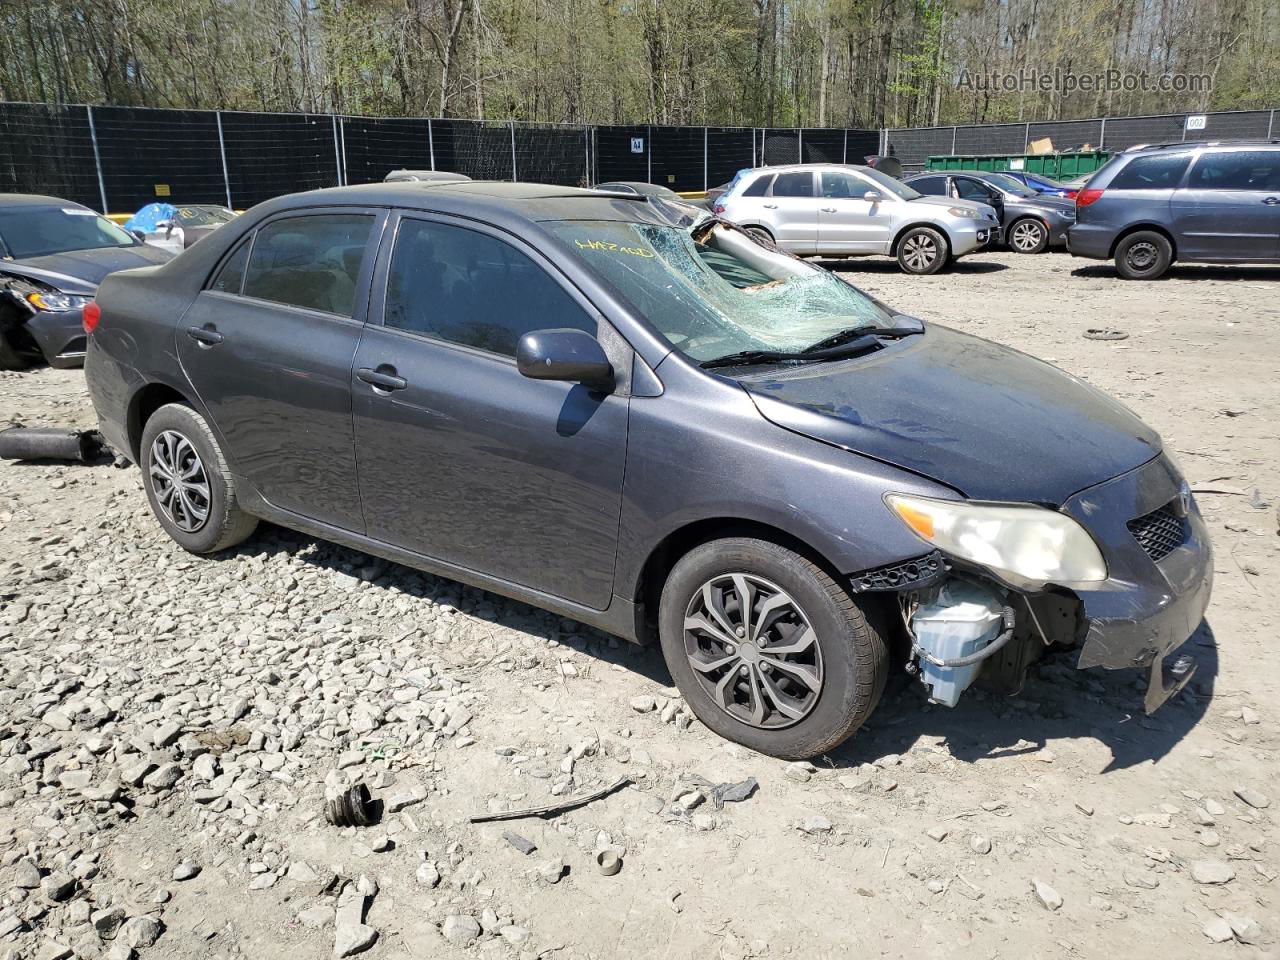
<point>1059,166</point>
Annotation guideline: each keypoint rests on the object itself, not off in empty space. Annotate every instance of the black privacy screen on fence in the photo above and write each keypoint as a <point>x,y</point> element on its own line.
<point>117,159</point>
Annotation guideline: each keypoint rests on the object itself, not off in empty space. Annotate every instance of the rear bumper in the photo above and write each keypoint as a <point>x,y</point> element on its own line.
<point>60,337</point>
<point>1146,608</point>
<point>1094,242</point>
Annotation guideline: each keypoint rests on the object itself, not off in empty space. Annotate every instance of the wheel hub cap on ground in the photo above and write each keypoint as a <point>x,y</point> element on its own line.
<point>179,481</point>
<point>753,650</point>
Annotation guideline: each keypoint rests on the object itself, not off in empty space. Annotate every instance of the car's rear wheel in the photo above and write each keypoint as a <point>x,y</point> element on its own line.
<point>922,250</point>
<point>1144,255</point>
<point>767,649</point>
<point>762,236</point>
<point>1028,235</point>
<point>188,483</point>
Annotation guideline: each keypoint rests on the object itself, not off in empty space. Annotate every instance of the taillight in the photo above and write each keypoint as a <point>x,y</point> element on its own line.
<point>1071,194</point>
<point>90,317</point>
<point>718,209</point>
<point>1086,197</point>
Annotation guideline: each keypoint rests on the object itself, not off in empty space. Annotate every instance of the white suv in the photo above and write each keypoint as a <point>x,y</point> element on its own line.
<point>842,210</point>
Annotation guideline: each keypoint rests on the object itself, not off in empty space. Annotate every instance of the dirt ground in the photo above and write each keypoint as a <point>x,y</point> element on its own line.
<point>163,715</point>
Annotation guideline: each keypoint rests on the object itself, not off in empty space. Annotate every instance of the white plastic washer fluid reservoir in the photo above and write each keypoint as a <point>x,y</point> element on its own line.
<point>962,619</point>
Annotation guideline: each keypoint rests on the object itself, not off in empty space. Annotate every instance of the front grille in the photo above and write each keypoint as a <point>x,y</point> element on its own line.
<point>1159,532</point>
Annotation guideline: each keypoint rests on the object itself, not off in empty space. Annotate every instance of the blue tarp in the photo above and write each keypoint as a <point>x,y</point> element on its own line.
<point>145,220</point>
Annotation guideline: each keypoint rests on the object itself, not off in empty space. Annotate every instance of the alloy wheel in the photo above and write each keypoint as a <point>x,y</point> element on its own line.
<point>179,481</point>
<point>1142,255</point>
<point>920,251</point>
<point>1027,236</point>
<point>753,650</point>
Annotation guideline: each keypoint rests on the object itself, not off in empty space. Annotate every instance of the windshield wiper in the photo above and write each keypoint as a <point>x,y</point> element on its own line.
<point>745,358</point>
<point>865,330</point>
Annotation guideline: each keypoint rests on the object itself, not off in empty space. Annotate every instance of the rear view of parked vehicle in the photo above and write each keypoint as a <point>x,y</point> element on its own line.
<point>53,255</point>
<point>671,433</point>
<point>1154,206</point>
<point>844,210</point>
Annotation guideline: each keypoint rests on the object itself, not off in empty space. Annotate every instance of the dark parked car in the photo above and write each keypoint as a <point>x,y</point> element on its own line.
<point>1031,223</point>
<point>424,176</point>
<point>668,433</point>
<point>1045,186</point>
<point>53,255</point>
<point>1192,202</point>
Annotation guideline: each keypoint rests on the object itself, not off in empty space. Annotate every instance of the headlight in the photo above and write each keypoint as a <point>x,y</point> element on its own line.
<point>57,302</point>
<point>1028,542</point>
<point>964,214</point>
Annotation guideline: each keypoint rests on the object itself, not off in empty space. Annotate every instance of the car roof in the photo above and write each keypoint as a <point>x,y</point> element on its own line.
<point>802,167</point>
<point>1198,144</point>
<point>493,200</point>
<point>35,200</point>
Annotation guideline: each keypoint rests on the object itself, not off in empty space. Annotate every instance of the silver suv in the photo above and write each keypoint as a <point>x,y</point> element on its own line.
<point>841,210</point>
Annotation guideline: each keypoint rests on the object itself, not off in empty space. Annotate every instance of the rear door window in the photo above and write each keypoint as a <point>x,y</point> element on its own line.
<point>1237,170</point>
<point>970,189</point>
<point>311,261</point>
<point>793,184</point>
<point>931,186</point>
<point>1158,171</point>
<point>463,286</point>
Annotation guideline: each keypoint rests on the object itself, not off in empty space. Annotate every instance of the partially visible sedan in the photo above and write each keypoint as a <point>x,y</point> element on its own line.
<point>174,228</point>
<point>1045,186</point>
<point>53,255</point>
<point>1032,223</point>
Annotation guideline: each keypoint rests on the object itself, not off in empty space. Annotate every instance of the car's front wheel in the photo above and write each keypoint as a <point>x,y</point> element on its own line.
<point>188,484</point>
<point>1028,235</point>
<point>923,250</point>
<point>767,649</point>
<point>1144,255</point>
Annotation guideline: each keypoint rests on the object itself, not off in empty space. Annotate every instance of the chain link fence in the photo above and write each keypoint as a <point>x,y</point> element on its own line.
<point>117,159</point>
<point>915,145</point>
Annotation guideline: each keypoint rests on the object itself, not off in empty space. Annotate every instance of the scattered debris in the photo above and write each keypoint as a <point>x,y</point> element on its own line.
<point>1102,333</point>
<point>550,809</point>
<point>723,793</point>
<point>50,443</point>
<point>608,862</point>
<point>520,843</point>
<point>353,808</point>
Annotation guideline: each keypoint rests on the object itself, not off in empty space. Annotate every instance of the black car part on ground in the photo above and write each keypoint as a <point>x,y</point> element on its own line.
<point>50,443</point>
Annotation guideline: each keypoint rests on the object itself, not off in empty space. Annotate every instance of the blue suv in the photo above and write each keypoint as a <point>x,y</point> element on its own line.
<point>1192,202</point>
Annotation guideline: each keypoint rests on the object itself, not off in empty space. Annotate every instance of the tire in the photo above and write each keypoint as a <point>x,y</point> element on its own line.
<point>176,433</point>
<point>10,357</point>
<point>1144,255</point>
<point>762,236</point>
<point>922,251</point>
<point>840,649</point>
<point>1028,235</point>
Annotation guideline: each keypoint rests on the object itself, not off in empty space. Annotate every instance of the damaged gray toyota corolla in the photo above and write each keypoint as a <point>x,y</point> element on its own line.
<point>668,432</point>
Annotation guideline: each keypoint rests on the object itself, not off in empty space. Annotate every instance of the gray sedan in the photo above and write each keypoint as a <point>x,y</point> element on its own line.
<point>674,434</point>
<point>1032,222</point>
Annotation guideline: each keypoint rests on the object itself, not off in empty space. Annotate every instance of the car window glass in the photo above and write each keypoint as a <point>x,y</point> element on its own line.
<point>230,277</point>
<point>972,189</point>
<point>932,186</point>
<point>310,262</point>
<point>758,187</point>
<point>793,185</point>
<point>1155,172</point>
<point>837,185</point>
<point>1239,170</point>
<point>467,287</point>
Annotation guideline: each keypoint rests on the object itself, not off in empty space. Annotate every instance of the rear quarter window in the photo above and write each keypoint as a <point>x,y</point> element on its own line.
<point>759,186</point>
<point>1155,172</point>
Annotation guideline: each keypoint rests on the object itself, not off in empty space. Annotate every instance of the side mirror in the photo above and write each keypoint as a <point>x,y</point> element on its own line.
<point>570,355</point>
<point>873,196</point>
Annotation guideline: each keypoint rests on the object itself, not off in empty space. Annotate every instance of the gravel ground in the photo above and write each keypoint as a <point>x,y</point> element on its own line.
<point>169,725</point>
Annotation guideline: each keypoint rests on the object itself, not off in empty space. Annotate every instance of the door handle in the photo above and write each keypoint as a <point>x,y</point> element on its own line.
<point>384,378</point>
<point>827,209</point>
<point>206,336</point>
<point>1271,201</point>
<point>770,206</point>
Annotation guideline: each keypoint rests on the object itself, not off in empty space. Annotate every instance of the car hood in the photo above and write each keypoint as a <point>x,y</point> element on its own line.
<point>986,420</point>
<point>80,271</point>
<point>950,202</point>
<point>1044,203</point>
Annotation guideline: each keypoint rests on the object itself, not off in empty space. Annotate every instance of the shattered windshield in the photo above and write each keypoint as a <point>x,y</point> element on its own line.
<point>40,231</point>
<point>713,291</point>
